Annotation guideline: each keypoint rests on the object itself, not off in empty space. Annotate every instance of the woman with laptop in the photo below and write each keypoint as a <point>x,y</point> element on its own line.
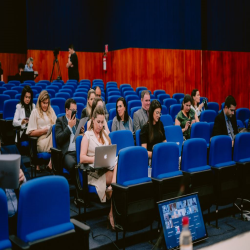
<point>23,111</point>
<point>97,136</point>
<point>97,102</point>
<point>122,121</point>
<point>40,122</point>
<point>153,131</point>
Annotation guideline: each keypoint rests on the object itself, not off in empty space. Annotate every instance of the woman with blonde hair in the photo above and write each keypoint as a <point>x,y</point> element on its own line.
<point>96,136</point>
<point>41,119</point>
<point>86,111</point>
<point>97,102</point>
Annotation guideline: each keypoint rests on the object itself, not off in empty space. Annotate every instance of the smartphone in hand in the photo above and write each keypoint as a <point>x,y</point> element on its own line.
<point>73,113</point>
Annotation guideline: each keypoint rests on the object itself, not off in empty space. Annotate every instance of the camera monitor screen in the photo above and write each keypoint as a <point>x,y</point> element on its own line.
<point>171,213</point>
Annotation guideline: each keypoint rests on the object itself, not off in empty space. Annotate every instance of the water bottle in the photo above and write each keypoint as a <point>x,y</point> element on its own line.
<point>185,237</point>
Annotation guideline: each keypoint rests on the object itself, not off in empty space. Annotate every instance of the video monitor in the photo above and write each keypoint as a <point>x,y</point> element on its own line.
<point>171,213</point>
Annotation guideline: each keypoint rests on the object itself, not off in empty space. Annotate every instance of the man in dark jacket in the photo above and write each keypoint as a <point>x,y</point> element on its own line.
<point>225,122</point>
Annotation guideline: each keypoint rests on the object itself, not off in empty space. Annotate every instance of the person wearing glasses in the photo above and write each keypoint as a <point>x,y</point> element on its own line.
<point>225,122</point>
<point>153,131</point>
<point>65,130</point>
<point>122,121</point>
<point>186,117</point>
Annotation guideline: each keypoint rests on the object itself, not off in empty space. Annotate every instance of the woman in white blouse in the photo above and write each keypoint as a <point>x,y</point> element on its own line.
<point>23,111</point>
<point>198,108</point>
<point>41,119</point>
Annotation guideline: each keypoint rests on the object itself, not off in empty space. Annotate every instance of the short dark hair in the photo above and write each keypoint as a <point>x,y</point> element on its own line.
<point>187,98</point>
<point>20,66</point>
<point>143,93</point>
<point>230,101</point>
<point>71,46</point>
<point>126,117</point>
<point>68,102</point>
<point>26,89</point>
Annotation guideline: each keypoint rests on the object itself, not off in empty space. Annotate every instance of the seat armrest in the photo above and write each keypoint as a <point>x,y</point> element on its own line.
<point>18,242</point>
<point>119,187</point>
<point>80,226</point>
<point>56,159</point>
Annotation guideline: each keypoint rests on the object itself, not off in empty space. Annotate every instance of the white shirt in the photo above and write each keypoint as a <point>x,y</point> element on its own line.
<point>72,145</point>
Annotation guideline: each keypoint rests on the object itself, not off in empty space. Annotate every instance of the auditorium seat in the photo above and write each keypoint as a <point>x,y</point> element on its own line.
<point>82,88</point>
<point>11,93</point>
<point>226,184</point>
<point>54,87</point>
<point>113,99</point>
<point>110,125</point>
<point>246,123</point>
<point>86,84</point>
<point>25,84</point>
<point>35,92</point>
<point>240,124</point>
<point>69,91</point>
<point>131,97</point>
<point>32,82</point>
<point>2,83</point>
<point>174,134</point>
<point>60,102</point>
<point>201,130</point>
<point>166,120</point>
<point>138,89</point>
<point>174,110</point>
<point>162,97</point>
<point>51,92</point>
<point>80,100</point>
<point>58,84</point>
<point>56,109</point>
<point>18,96</point>
<point>4,228</point>
<point>164,110</point>
<point>42,85</point>
<point>166,176</point>
<point>124,85</point>
<point>3,98</point>
<point>133,194</point>
<point>80,107</point>
<point>178,96</point>
<point>47,82</point>
<point>35,100</point>
<point>181,100</point>
<point>44,205</point>
<point>213,106</point>
<point>9,108</point>
<point>202,98</point>
<point>208,116</point>
<point>223,105</point>
<point>197,172</point>
<point>17,83</point>
<point>138,137</point>
<point>132,104</point>
<point>2,89</point>
<point>63,95</point>
<point>70,83</point>
<point>159,92</point>
<point>111,83</point>
<point>80,94</point>
<point>110,106</point>
<point>113,93</point>
<point>122,138</point>
<point>125,89</point>
<point>129,92</point>
<point>211,126</point>
<point>18,89</point>
<point>69,86</point>
<point>112,114</point>
<point>37,88</point>
<point>242,114</point>
<point>169,102</point>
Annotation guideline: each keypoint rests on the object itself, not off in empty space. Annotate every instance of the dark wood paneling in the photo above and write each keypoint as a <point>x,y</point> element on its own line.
<point>10,63</point>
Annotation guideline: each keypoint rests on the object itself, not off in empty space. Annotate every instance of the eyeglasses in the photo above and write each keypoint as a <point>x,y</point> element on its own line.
<point>158,113</point>
<point>98,95</point>
<point>73,110</point>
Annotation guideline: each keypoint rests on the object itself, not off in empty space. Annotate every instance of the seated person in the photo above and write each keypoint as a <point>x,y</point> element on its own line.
<point>29,66</point>
<point>98,93</point>
<point>97,102</point>
<point>141,115</point>
<point>18,76</point>
<point>122,121</point>
<point>225,122</point>
<point>65,131</point>
<point>86,111</point>
<point>186,117</point>
<point>94,137</point>
<point>41,119</point>
<point>23,111</point>
<point>198,108</point>
<point>153,131</point>
<point>11,194</point>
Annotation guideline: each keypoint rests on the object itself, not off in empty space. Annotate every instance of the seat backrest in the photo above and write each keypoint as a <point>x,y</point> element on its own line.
<point>164,110</point>
<point>42,85</point>
<point>78,148</point>
<point>66,90</point>
<point>60,102</point>
<point>194,154</point>
<point>122,138</point>
<point>110,125</point>
<point>56,109</point>
<point>81,94</point>
<point>18,96</point>
<point>16,82</point>
<point>211,125</point>
<point>208,116</point>
<point>131,98</point>
<point>69,86</point>
<point>158,92</point>
<point>113,92</point>
<point>110,106</point>
<point>201,130</point>
<point>178,96</point>
<point>43,203</point>
<point>241,147</point>
<point>138,89</point>
<point>63,95</point>
<point>213,106</point>
<point>8,86</point>
<point>38,88</point>
<point>80,107</point>
<point>240,124</point>
<point>138,137</point>
<point>47,82</point>
<point>80,100</point>
<point>54,136</point>
<point>113,98</point>
<point>162,97</point>
<point>9,108</point>
<point>4,228</point>
<point>165,158</point>
<point>52,92</point>
<point>125,89</point>
<point>2,89</point>
<point>174,110</point>
<point>112,114</point>
<point>132,164</point>
<point>55,87</point>
<point>11,93</point>
<point>58,84</point>
<point>3,98</point>
<point>242,114</point>
<point>124,85</point>
<point>18,89</point>
<point>174,134</point>
<point>216,155</point>
<point>129,92</point>
<point>169,102</point>
<point>133,103</point>
<point>166,120</point>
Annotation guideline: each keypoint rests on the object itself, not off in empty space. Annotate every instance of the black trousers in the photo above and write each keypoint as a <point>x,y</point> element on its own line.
<point>70,162</point>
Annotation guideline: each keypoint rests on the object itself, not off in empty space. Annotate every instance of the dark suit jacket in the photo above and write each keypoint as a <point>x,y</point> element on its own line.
<point>12,149</point>
<point>220,127</point>
<point>63,133</point>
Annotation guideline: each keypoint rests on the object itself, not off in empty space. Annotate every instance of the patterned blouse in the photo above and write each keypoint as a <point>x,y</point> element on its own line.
<point>183,119</point>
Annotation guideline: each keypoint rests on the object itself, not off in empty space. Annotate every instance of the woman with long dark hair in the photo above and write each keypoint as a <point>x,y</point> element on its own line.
<point>122,121</point>
<point>186,117</point>
<point>23,111</point>
<point>153,131</point>
<point>198,108</point>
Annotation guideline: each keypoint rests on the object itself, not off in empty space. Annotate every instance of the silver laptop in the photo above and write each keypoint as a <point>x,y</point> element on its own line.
<point>105,156</point>
<point>9,171</point>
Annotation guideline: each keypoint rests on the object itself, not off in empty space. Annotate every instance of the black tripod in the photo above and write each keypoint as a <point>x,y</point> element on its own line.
<point>59,75</point>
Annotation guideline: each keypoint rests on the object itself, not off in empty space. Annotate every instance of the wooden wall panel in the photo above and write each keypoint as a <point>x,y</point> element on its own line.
<point>10,63</point>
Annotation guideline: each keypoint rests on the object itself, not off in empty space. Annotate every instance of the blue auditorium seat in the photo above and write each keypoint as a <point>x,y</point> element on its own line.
<point>201,130</point>
<point>213,106</point>
<point>80,107</point>
<point>164,110</point>
<point>162,97</point>
<point>3,98</point>
<point>69,91</point>
<point>9,108</point>
<point>18,89</point>
<point>158,92</point>
<point>168,102</point>
<point>129,92</point>
<point>138,137</point>
<point>138,89</point>
<point>54,87</point>
<point>166,120</point>
<point>110,106</point>
<point>17,83</point>
<point>11,93</point>
<point>126,89</point>
<point>8,86</point>
<point>110,125</point>
<point>178,96</point>
<point>113,99</point>
<point>174,110</point>
<point>58,84</point>
<point>208,116</point>
<point>112,114</point>
<point>37,88</point>
<point>63,95</point>
<point>69,86</point>
<point>131,98</point>
<point>80,100</point>
<point>132,104</point>
<point>60,102</point>
<point>242,114</point>
<point>2,89</point>
<point>81,94</point>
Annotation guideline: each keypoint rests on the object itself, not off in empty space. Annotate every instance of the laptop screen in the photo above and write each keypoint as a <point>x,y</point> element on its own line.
<point>171,213</point>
